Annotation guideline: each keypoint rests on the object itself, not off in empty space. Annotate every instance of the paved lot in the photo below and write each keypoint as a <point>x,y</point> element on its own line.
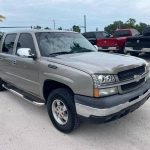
<point>24,126</point>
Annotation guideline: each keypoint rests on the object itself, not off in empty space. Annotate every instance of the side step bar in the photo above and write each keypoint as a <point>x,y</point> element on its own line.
<point>22,96</point>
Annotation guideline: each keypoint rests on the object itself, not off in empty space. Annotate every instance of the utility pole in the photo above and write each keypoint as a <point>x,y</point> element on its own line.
<point>54,24</point>
<point>85,22</point>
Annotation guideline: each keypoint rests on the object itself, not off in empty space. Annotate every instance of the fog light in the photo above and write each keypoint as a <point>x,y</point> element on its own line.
<point>108,91</point>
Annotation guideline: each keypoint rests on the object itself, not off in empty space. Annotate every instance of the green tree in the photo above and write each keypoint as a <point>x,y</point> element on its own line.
<point>112,27</point>
<point>131,23</point>
<point>60,28</point>
<point>1,18</point>
<point>37,27</point>
<point>76,28</point>
<point>47,28</point>
<point>141,26</point>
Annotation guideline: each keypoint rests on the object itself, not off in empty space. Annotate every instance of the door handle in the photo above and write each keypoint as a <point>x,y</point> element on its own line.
<point>13,62</point>
<point>1,58</point>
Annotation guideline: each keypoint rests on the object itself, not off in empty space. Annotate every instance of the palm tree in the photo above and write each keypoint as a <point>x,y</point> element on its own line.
<point>1,18</point>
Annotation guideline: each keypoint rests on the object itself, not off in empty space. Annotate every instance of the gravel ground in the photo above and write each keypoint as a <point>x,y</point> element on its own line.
<point>24,126</point>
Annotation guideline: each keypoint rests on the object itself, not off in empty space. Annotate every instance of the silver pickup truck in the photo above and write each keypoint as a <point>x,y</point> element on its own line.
<point>65,72</point>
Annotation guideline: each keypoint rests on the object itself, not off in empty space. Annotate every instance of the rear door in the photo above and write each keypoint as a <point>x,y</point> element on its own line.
<point>6,57</point>
<point>26,70</point>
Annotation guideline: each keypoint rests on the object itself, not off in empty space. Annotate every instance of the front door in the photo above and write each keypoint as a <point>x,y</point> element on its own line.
<point>25,71</point>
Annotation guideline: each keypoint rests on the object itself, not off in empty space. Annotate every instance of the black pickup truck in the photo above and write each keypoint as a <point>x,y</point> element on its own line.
<point>1,34</point>
<point>138,44</point>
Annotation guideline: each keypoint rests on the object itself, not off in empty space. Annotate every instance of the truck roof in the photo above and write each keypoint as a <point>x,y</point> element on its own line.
<point>38,30</point>
<point>125,29</point>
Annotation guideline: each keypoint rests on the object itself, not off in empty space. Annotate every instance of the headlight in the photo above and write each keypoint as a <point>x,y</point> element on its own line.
<point>128,48</point>
<point>147,68</point>
<point>101,80</point>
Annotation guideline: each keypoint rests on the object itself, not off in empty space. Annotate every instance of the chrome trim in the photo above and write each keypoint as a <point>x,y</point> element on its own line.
<point>23,78</point>
<point>119,83</point>
<point>22,96</point>
<point>87,111</point>
<point>127,49</point>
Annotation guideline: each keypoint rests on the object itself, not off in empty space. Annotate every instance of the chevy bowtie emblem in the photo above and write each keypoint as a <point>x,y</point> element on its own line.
<point>138,41</point>
<point>137,78</point>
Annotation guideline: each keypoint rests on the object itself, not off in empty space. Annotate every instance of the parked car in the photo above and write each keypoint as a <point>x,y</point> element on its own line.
<point>138,44</point>
<point>96,36</point>
<point>1,34</point>
<point>64,71</point>
<point>114,43</point>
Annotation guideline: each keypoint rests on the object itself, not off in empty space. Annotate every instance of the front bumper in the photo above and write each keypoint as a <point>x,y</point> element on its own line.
<point>108,49</point>
<point>109,107</point>
<point>143,50</point>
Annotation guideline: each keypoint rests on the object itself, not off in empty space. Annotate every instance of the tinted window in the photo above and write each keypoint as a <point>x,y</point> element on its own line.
<point>89,35</point>
<point>26,41</point>
<point>62,43</point>
<point>99,35</point>
<point>135,32</point>
<point>122,33</point>
<point>8,44</point>
<point>146,32</point>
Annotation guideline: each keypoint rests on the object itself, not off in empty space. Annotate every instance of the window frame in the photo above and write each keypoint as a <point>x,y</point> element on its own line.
<point>3,41</point>
<point>15,53</point>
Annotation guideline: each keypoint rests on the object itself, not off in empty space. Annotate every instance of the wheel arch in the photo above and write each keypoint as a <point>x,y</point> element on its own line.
<point>50,85</point>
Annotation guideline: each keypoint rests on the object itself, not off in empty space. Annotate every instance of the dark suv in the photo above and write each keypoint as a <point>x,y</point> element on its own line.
<point>93,37</point>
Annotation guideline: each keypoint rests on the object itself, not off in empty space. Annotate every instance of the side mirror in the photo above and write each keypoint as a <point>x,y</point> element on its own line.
<point>96,47</point>
<point>26,53</point>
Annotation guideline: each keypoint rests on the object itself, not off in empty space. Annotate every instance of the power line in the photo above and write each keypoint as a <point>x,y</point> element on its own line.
<point>18,27</point>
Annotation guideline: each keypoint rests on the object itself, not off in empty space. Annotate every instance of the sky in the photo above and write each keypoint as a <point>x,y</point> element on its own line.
<point>66,13</point>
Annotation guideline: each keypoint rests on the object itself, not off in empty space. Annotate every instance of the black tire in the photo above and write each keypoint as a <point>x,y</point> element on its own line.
<point>134,54</point>
<point>1,87</point>
<point>67,99</point>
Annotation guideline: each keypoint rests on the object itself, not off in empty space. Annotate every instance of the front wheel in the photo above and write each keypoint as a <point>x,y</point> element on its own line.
<point>61,110</point>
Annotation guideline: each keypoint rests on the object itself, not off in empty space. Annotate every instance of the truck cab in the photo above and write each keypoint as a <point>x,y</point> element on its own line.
<point>113,43</point>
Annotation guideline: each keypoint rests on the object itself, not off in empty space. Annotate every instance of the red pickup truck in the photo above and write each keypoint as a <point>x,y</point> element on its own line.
<point>107,42</point>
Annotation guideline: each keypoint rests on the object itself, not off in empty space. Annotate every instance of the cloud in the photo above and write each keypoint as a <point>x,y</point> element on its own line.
<point>69,12</point>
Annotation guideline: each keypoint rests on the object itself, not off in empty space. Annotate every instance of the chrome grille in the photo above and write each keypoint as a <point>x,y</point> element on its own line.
<point>129,74</point>
<point>133,85</point>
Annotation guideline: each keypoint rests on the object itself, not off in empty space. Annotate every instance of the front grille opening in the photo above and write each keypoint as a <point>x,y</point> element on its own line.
<point>133,85</point>
<point>145,91</point>
<point>129,74</point>
<point>133,99</point>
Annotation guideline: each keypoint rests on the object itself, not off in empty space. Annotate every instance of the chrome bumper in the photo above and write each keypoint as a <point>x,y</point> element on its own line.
<point>109,49</point>
<point>87,111</point>
<point>130,49</point>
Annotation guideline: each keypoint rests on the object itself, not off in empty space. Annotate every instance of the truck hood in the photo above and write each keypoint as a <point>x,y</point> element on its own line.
<point>98,62</point>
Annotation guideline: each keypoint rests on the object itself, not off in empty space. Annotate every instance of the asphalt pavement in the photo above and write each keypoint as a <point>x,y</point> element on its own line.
<point>24,126</point>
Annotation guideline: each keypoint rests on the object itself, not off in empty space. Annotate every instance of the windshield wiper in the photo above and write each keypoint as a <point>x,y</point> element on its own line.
<point>58,53</point>
<point>81,50</point>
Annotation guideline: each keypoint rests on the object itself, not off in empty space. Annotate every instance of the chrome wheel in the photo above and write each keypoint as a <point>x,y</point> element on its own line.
<point>60,112</point>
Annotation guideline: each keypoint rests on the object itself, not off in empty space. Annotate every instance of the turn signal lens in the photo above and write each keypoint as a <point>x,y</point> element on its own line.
<point>96,92</point>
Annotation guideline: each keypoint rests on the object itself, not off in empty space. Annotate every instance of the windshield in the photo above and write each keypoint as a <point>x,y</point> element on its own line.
<point>57,43</point>
<point>122,33</point>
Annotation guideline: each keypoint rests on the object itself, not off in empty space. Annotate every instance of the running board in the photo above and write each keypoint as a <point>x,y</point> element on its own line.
<point>22,96</point>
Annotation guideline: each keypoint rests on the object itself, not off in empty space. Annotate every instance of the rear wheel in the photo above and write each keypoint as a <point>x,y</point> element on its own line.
<point>1,83</point>
<point>61,110</point>
<point>133,53</point>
